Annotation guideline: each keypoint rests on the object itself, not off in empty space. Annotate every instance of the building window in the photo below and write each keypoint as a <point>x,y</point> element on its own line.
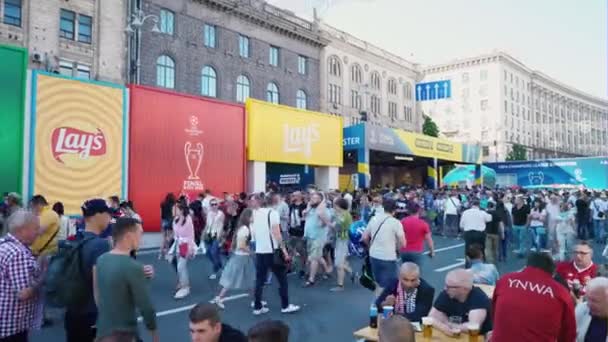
<point>66,68</point>
<point>355,74</point>
<point>375,80</point>
<point>208,82</point>
<point>483,75</point>
<point>273,56</point>
<point>335,94</point>
<point>392,110</point>
<point>392,88</point>
<point>242,88</point>
<point>465,77</point>
<point>165,72</point>
<point>375,104</point>
<point>506,107</point>
<point>209,33</point>
<point>85,24</point>
<point>483,104</point>
<point>83,71</point>
<point>334,66</point>
<point>355,99</point>
<point>166,21</point>
<point>12,12</point>
<point>407,89</point>
<point>301,99</point>
<point>243,46</point>
<point>302,65</point>
<point>272,93</point>
<point>71,69</point>
<point>66,26</point>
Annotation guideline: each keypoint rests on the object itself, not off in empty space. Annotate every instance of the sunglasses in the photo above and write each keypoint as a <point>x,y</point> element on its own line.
<point>214,204</point>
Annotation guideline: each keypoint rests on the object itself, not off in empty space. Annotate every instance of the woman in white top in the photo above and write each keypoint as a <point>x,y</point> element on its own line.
<point>239,273</point>
<point>564,231</point>
<point>537,223</point>
<point>64,227</point>
<point>213,235</point>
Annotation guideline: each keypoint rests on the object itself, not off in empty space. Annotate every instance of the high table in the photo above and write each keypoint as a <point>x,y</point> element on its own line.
<point>370,334</point>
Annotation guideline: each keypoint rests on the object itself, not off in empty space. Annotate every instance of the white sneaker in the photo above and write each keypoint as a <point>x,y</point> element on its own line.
<point>218,301</point>
<point>213,276</point>
<point>263,310</point>
<point>253,304</point>
<point>290,309</point>
<point>182,293</point>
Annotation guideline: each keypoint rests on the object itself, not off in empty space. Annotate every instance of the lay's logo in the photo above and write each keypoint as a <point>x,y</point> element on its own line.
<point>68,140</point>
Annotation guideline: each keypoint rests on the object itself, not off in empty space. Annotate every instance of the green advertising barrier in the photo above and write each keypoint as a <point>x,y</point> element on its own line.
<point>12,108</point>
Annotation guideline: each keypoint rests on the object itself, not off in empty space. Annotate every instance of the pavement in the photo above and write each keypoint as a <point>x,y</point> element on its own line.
<point>324,316</point>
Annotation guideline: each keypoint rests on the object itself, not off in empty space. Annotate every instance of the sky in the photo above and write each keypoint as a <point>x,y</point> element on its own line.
<point>564,39</point>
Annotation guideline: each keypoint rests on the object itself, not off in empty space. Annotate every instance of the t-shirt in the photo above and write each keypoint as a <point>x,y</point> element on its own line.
<point>91,251</point>
<point>46,243</point>
<point>569,272</point>
<point>474,219</point>
<point>477,299</point>
<point>415,229</point>
<point>123,294</point>
<point>452,204</point>
<point>520,215</point>
<point>384,244</point>
<point>401,211</point>
<point>314,229</point>
<point>483,273</point>
<point>343,222</point>
<point>166,211</point>
<point>229,334</point>
<point>598,330</point>
<point>492,227</point>
<point>261,231</point>
<point>242,238</point>
<point>531,306</point>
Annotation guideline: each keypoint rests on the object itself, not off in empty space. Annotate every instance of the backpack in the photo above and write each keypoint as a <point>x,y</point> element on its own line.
<point>66,283</point>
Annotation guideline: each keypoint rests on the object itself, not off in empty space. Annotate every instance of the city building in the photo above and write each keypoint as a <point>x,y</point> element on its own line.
<point>357,76</point>
<point>229,50</point>
<point>67,37</point>
<point>496,101</point>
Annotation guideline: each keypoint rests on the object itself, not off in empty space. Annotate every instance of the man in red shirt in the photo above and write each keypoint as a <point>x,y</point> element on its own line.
<point>580,270</point>
<point>417,231</point>
<point>531,306</point>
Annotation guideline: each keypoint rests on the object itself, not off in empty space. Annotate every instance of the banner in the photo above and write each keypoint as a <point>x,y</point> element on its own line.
<point>183,145</point>
<point>591,173</point>
<point>12,107</point>
<point>288,135</point>
<point>77,139</point>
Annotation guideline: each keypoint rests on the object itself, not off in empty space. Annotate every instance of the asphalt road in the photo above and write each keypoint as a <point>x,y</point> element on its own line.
<point>325,316</point>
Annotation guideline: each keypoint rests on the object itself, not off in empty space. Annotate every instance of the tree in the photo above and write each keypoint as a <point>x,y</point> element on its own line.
<point>429,127</point>
<point>518,152</point>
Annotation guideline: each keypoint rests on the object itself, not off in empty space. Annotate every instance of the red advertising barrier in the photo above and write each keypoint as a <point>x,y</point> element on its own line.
<point>182,144</point>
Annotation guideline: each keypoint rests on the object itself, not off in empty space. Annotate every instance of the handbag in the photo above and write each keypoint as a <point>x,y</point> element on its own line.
<point>278,258</point>
<point>183,249</point>
<point>367,276</point>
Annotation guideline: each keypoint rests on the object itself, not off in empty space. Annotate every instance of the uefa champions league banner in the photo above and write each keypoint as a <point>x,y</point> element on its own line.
<point>591,173</point>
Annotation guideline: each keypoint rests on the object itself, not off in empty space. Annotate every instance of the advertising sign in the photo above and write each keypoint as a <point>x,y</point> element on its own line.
<point>354,137</point>
<point>290,175</point>
<point>590,173</point>
<point>77,139</point>
<point>184,145</point>
<point>12,102</point>
<point>289,135</point>
<point>433,90</point>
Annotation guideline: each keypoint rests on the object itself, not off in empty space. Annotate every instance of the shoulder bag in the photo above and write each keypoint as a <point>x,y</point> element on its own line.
<point>278,258</point>
<point>367,277</point>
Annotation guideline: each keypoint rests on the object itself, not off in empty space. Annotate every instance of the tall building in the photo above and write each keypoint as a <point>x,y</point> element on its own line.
<point>357,76</point>
<point>497,101</point>
<point>67,37</point>
<point>230,50</point>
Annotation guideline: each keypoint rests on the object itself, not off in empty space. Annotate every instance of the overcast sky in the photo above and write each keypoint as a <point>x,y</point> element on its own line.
<point>565,39</point>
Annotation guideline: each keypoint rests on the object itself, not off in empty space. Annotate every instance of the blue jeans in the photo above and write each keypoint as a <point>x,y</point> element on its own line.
<point>384,271</point>
<point>599,228</point>
<point>504,245</point>
<point>582,228</point>
<point>451,225</point>
<point>539,237</point>
<point>519,239</point>
<point>213,253</point>
<point>414,257</point>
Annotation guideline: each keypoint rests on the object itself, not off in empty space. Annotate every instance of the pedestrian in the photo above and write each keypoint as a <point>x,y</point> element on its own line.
<point>582,217</point>
<point>483,273</point>
<point>269,331</point>
<point>565,232</point>
<point>185,249</point>
<point>167,212</point>
<point>315,231</point>
<point>599,206</point>
<point>46,242</point>
<point>473,223</point>
<point>20,280</point>
<point>341,225</point>
<point>580,269</point>
<point>495,232</point>
<point>206,326</point>
<point>417,232</point>
<point>384,236</point>
<point>520,214</point>
<point>592,315</point>
<point>64,222</point>
<point>520,298</point>
<point>239,273</point>
<point>507,222</point>
<point>270,255</point>
<point>537,223</point>
<point>297,242</point>
<point>213,236</point>
<point>122,292</point>
<point>452,210</point>
<point>553,210</point>
<point>12,203</point>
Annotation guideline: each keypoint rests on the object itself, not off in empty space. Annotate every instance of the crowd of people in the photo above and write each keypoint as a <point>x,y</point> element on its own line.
<point>251,239</point>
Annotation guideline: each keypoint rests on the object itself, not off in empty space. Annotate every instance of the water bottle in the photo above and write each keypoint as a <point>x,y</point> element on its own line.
<point>373,316</point>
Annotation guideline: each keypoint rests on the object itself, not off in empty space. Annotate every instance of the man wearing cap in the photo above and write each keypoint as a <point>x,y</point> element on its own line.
<point>80,321</point>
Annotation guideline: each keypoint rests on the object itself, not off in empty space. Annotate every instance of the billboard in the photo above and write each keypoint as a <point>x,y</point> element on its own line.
<point>288,135</point>
<point>591,173</point>
<point>77,138</point>
<point>184,145</point>
<point>12,108</point>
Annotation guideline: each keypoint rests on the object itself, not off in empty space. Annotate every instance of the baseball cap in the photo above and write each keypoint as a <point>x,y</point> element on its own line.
<point>94,206</point>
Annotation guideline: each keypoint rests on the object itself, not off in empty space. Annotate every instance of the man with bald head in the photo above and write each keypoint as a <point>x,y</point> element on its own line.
<point>592,315</point>
<point>461,299</point>
<point>410,295</point>
<point>396,329</point>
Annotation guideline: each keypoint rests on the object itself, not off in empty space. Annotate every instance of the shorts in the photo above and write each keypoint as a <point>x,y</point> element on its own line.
<point>315,248</point>
<point>341,252</point>
<point>297,245</point>
<point>384,271</point>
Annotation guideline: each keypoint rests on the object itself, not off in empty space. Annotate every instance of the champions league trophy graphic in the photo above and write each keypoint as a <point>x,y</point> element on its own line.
<point>194,157</point>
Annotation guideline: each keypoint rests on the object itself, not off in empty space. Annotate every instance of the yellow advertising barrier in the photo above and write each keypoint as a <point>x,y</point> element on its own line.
<point>77,140</point>
<point>284,134</point>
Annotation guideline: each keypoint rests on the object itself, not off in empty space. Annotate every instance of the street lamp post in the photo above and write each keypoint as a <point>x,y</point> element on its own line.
<point>135,25</point>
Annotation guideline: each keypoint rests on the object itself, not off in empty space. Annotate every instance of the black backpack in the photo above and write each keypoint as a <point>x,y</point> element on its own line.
<point>67,284</point>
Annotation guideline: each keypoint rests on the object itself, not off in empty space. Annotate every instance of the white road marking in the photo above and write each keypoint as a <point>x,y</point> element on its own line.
<point>446,248</point>
<point>449,267</point>
<point>189,307</point>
